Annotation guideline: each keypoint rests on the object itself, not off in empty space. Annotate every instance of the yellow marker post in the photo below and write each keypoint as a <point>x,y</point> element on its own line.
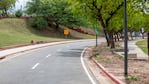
<point>66,32</point>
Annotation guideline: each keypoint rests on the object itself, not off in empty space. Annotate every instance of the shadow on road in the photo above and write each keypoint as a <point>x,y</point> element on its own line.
<point>71,53</point>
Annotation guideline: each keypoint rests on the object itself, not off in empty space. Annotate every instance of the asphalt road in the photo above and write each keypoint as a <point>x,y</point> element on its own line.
<point>58,64</point>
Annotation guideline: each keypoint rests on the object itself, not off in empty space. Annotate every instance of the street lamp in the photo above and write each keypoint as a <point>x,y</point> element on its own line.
<point>126,40</point>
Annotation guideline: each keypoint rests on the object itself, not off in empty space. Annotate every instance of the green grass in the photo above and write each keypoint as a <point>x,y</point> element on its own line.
<point>15,31</point>
<point>143,45</point>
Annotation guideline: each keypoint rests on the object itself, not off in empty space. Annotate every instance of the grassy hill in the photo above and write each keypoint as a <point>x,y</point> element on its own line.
<point>16,31</point>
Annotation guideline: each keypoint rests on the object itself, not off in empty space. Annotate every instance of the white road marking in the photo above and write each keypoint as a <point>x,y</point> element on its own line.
<point>83,64</point>
<point>68,46</point>
<point>49,55</point>
<point>59,50</point>
<point>35,65</point>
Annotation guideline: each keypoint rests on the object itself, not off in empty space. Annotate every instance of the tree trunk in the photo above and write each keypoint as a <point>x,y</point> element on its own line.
<point>117,37</point>
<point>5,11</point>
<point>57,27</point>
<point>107,38</point>
<point>131,35</point>
<point>112,43</point>
<point>143,35</point>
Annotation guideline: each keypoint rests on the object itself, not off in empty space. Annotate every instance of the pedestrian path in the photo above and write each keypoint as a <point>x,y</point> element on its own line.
<point>134,49</point>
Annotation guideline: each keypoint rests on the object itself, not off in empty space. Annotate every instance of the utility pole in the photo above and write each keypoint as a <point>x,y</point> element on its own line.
<point>125,40</point>
<point>148,43</point>
<point>96,40</point>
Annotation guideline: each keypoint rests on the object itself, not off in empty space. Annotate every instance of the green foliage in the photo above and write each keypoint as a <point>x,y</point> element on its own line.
<point>143,8</point>
<point>143,46</point>
<point>39,23</point>
<point>33,7</point>
<point>6,4</point>
<point>58,11</point>
<point>109,13</point>
<point>132,78</point>
<point>18,13</point>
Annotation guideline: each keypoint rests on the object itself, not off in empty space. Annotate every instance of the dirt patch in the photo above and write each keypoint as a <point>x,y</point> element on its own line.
<point>138,71</point>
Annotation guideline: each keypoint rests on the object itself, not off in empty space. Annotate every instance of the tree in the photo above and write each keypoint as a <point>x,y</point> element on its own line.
<point>56,11</point>
<point>108,13</point>
<point>5,5</point>
<point>39,23</point>
<point>33,7</point>
<point>103,11</point>
<point>18,13</point>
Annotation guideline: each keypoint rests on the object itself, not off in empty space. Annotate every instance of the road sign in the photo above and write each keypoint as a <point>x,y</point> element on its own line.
<point>97,32</point>
<point>96,29</point>
<point>66,31</point>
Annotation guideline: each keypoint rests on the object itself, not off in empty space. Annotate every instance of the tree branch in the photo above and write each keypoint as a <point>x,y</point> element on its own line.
<point>114,12</point>
<point>94,3</point>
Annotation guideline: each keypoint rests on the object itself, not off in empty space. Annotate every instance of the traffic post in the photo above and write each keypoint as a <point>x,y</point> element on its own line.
<point>96,29</point>
<point>126,40</point>
<point>148,43</point>
<point>66,32</point>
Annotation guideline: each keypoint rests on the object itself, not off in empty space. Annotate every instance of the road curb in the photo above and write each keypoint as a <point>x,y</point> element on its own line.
<point>85,67</point>
<point>50,44</point>
<point>111,76</point>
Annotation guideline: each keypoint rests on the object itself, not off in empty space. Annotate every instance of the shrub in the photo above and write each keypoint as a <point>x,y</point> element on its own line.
<point>18,13</point>
<point>39,23</point>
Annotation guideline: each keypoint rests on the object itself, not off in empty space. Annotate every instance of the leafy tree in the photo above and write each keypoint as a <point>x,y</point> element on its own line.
<point>33,7</point>
<point>39,23</point>
<point>5,5</point>
<point>18,13</point>
<point>103,11</point>
<point>57,11</point>
<point>108,13</point>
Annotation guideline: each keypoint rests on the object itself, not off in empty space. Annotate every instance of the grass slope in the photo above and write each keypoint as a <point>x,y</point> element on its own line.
<point>143,45</point>
<point>15,31</point>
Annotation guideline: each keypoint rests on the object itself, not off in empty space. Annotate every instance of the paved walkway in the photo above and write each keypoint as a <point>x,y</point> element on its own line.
<point>134,49</point>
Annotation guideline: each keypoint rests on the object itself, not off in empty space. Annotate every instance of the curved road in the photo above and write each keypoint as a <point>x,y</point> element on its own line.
<point>58,64</point>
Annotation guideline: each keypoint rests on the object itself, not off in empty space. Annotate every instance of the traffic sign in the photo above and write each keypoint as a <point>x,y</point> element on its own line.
<point>96,29</point>
<point>66,31</point>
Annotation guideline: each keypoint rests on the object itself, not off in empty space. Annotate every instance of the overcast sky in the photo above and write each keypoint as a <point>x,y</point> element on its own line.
<point>20,3</point>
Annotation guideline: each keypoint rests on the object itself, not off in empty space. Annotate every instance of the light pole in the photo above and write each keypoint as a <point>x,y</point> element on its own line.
<point>126,40</point>
<point>148,43</point>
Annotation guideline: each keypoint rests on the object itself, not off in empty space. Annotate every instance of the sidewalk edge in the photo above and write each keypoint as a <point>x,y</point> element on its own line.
<point>111,76</point>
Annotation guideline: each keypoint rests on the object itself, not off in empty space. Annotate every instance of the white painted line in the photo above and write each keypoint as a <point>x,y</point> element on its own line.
<point>68,46</point>
<point>48,55</point>
<point>59,50</point>
<point>83,64</point>
<point>35,65</point>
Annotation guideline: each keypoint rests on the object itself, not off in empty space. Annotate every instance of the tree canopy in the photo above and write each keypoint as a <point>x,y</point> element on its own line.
<point>6,4</point>
<point>109,14</point>
<point>58,11</point>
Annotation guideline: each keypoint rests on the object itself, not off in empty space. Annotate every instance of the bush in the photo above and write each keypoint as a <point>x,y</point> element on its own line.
<point>18,13</point>
<point>39,23</point>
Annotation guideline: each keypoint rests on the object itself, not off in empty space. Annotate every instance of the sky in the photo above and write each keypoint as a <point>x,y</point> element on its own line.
<point>20,3</point>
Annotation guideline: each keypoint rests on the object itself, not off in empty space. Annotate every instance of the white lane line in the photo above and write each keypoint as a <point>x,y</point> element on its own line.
<point>87,72</point>
<point>68,46</point>
<point>48,55</point>
<point>35,65</point>
<point>59,50</point>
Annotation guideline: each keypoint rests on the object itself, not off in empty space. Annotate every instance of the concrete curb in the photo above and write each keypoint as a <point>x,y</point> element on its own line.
<point>111,76</point>
<point>50,44</point>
